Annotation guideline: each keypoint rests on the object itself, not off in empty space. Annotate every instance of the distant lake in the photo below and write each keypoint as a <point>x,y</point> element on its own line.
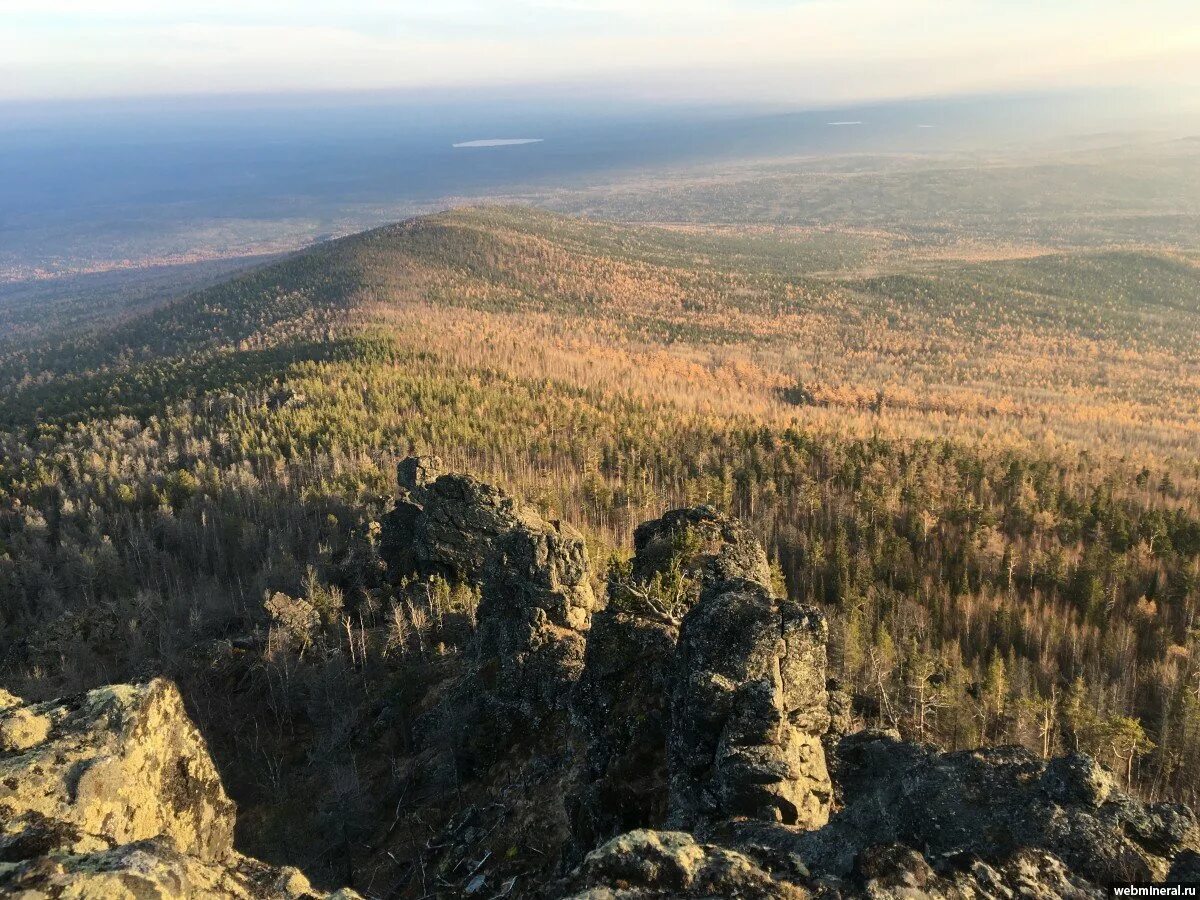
<point>498,142</point>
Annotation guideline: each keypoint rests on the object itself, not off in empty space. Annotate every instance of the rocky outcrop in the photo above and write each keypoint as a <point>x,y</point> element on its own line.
<point>112,794</point>
<point>748,711</point>
<point>681,747</point>
<point>989,804</point>
<point>644,864</point>
<point>704,730</point>
<point>996,822</point>
<point>114,766</point>
<point>697,549</point>
<point>698,678</point>
<point>703,695</point>
<point>536,597</point>
<point>155,869</point>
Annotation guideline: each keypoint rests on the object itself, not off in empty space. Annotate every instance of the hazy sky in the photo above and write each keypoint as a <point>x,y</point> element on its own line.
<point>768,50</point>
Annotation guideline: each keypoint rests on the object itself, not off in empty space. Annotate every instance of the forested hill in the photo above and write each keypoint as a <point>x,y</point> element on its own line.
<point>1079,345</point>
<point>983,465</point>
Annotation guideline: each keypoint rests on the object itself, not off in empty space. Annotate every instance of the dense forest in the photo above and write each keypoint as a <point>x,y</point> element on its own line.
<point>985,469</point>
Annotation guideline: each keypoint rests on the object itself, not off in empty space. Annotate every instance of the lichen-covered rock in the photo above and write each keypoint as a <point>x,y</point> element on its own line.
<point>705,547</point>
<point>703,696</point>
<point>988,804</point>
<point>535,605</point>
<point>117,765</point>
<point>22,728</point>
<point>8,701</point>
<point>535,609</point>
<point>155,869</point>
<point>897,872</point>
<point>1077,778</point>
<point>749,711</point>
<point>622,716</point>
<point>841,710</point>
<point>112,794</point>
<point>1186,867</point>
<point>643,864</point>
<point>622,703</point>
<point>454,526</point>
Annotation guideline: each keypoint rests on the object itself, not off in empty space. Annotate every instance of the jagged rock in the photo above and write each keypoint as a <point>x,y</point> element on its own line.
<point>535,604</point>
<point>112,794</point>
<point>621,712</point>
<point>705,547</point>
<point>452,525</point>
<point>893,866</point>
<point>896,872</point>
<point>536,594</point>
<point>703,705</point>
<point>988,804</point>
<point>1077,778</point>
<point>672,864</point>
<point>8,701</point>
<point>702,695</point>
<point>749,711</point>
<point>920,823</point>
<point>535,608</point>
<point>841,709</point>
<point>622,702</point>
<point>414,472</point>
<point>644,864</point>
<point>156,869</point>
<point>117,765</point>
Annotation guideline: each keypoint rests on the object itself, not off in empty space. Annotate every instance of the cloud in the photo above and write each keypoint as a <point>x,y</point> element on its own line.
<point>751,49</point>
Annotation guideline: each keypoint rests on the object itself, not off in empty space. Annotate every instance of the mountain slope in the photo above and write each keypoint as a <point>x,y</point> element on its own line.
<point>1089,347</point>
<point>968,464</point>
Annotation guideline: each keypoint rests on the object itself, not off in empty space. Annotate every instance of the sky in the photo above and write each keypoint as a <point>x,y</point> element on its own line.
<point>770,51</point>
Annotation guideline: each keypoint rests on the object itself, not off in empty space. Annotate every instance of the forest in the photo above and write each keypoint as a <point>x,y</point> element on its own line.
<point>984,466</point>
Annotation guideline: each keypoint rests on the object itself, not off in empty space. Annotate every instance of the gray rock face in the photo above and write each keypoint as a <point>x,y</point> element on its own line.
<point>621,713</point>
<point>702,695</point>
<point>112,794</point>
<point>706,548</point>
<point>703,730</point>
<point>989,804</point>
<point>748,711</point>
<point>536,596</point>
<point>740,741</point>
<point>1186,867</point>
<point>673,864</point>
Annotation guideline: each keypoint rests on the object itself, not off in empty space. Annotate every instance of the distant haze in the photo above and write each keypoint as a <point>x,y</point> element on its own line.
<point>112,184</point>
<point>790,51</point>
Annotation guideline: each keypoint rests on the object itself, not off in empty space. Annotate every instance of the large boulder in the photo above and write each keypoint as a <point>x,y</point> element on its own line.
<point>155,869</point>
<point>988,804</point>
<point>748,712</point>
<point>702,694</point>
<point>645,864</point>
<point>112,794</point>
<point>534,584</point>
<point>113,766</point>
